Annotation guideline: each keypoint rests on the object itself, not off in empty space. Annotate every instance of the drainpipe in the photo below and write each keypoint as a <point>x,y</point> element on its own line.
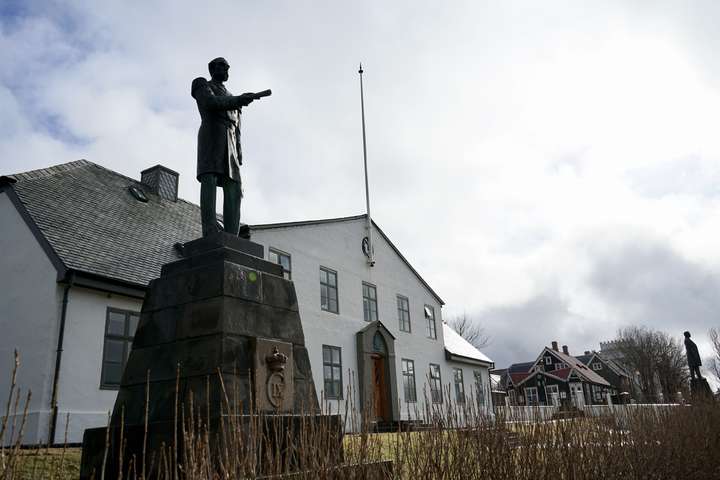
<point>58,360</point>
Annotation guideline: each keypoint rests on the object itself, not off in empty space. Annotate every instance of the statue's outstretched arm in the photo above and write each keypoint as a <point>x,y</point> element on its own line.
<point>209,101</point>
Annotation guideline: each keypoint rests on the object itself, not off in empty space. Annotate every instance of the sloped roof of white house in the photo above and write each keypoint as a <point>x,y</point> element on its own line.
<point>456,345</point>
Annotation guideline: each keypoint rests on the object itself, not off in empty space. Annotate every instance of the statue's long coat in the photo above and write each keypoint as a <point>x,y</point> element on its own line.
<point>693,356</point>
<point>219,149</point>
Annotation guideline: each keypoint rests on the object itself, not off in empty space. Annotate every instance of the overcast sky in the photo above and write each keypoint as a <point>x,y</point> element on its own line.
<point>551,168</point>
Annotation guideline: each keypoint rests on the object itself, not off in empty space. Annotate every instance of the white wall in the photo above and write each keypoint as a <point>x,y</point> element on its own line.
<point>338,246</point>
<point>29,317</point>
<point>79,392</point>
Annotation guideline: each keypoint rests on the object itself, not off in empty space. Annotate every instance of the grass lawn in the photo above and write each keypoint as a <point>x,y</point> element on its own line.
<point>45,463</point>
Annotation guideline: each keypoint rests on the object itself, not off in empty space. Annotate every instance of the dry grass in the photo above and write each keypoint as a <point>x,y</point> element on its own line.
<point>457,442</point>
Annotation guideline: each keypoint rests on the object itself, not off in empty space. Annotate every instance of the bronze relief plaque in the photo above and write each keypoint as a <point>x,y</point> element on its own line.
<point>273,375</point>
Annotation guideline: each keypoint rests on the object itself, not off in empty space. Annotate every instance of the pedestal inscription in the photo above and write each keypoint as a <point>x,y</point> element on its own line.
<point>273,375</point>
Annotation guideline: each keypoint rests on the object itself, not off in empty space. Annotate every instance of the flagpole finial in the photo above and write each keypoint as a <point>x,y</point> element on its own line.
<point>361,69</point>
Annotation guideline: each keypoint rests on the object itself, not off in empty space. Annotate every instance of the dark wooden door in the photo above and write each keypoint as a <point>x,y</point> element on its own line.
<point>379,388</point>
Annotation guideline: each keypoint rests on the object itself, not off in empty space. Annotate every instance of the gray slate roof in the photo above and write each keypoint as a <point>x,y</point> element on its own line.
<point>95,225</point>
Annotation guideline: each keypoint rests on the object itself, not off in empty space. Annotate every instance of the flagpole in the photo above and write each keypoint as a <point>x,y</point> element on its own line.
<point>368,226</point>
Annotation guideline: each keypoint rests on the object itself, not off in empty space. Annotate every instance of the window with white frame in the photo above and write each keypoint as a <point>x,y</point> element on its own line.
<point>597,392</point>
<point>430,329</point>
<point>531,396</point>
<point>282,259</point>
<point>548,360</point>
<point>596,366</point>
<point>552,394</point>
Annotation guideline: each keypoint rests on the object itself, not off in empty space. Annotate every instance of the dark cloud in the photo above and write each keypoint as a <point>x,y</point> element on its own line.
<point>649,283</point>
<point>520,331</point>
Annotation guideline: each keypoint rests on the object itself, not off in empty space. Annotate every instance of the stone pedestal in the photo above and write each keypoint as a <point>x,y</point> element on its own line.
<point>700,390</point>
<point>222,312</point>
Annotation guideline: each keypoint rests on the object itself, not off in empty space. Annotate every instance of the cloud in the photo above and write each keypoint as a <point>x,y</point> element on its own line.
<point>648,283</point>
<point>530,160</point>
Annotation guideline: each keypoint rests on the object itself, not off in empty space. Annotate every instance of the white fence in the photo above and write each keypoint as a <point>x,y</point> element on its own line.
<point>522,414</point>
<point>542,413</point>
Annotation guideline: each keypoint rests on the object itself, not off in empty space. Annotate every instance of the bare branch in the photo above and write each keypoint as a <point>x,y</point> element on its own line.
<point>658,359</point>
<point>470,330</point>
<point>715,340</point>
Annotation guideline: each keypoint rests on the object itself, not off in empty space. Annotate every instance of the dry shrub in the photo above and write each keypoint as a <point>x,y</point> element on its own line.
<point>447,441</point>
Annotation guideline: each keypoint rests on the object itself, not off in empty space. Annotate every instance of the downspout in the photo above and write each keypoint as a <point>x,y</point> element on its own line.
<point>58,361</point>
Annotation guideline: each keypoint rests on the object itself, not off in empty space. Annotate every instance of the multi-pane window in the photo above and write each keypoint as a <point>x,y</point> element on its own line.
<point>120,326</point>
<point>332,371</point>
<point>283,259</point>
<point>552,394</point>
<point>430,330</point>
<point>435,384</point>
<point>531,396</point>
<point>479,388</point>
<point>596,366</point>
<point>370,309</point>
<point>548,360</point>
<point>597,393</point>
<point>408,371</point>
<point>328,290</point>
<point>403,308</point>
<point>459,385</point>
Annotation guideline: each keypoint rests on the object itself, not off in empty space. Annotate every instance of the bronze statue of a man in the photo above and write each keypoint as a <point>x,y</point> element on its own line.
<point>693,357</point>
<point>219,155</point>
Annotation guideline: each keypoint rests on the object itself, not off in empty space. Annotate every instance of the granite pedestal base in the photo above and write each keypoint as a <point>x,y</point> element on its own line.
<point>700,389</point>
<point>220,326</point>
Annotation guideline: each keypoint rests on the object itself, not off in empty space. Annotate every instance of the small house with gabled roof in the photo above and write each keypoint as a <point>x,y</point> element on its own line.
<point>611,371</point>
<point>553,378</point>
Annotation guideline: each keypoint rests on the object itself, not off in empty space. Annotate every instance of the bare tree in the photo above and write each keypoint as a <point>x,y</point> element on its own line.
<point>715,362</point>
<point>658,359</point>
<point>470,330</point>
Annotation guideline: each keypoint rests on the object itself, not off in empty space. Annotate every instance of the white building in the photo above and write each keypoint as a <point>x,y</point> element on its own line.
<point>80,245</point>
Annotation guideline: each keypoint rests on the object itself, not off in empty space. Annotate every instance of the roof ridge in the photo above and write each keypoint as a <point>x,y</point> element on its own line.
<point>52,170</point>
<point>298,223</point>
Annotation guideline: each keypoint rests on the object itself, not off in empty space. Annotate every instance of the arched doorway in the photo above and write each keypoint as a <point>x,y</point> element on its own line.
<point>376,369</point>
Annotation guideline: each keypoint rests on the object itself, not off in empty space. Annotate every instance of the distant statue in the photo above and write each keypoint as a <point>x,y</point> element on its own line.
<point>693,357</point>
<point>219,155</point>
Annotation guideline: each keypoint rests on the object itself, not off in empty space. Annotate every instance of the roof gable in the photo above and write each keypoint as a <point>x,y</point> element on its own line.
<point>576,365</point>
<point>377,324</point>
<point>306,223</point>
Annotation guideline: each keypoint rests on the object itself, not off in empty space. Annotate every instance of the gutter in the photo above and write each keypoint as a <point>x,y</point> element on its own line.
<point>453,357</point>
<point>58,361</point>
